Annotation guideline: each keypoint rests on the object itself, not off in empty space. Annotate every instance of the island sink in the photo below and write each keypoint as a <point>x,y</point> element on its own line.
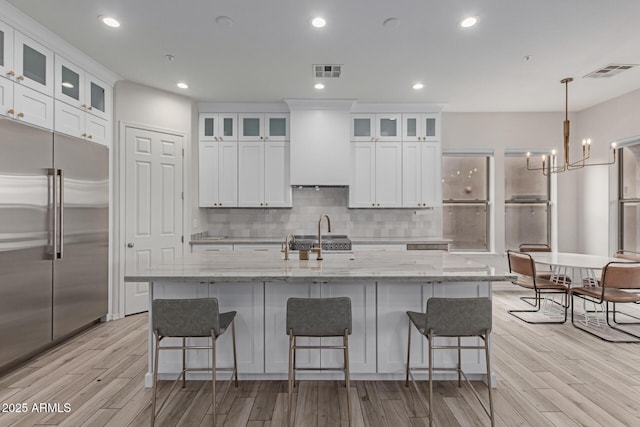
<point>330,242</point>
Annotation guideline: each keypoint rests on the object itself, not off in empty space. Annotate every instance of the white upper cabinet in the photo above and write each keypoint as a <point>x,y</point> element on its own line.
<point>33,64</point>
<point>421,180</point>
<point>376,127</point>
<point>218,161</point>
<point>263,127</point>
<point>421,127</point>
<point>377,175</point>
<point>263,174</point>
<point>6,50</point>
<point>32,107</point>
<point>218,127</point>
<point>6,98</point>
<point>82,90</point>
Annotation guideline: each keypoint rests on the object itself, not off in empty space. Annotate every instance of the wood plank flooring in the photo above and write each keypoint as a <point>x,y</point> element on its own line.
<point>548,375</point>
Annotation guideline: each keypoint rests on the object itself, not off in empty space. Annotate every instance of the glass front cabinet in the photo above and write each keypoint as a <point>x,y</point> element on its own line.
<point>421,127</point>
<point>218,127</point>
<point>376,127</point>
<point>33,64</point>
<point>263,127</point>
<point>81,90</point>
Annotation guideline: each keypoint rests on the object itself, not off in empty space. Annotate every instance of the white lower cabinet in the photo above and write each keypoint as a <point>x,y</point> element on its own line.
<point>362,341</point>
<point>276,358</point>
<point>394,300</point>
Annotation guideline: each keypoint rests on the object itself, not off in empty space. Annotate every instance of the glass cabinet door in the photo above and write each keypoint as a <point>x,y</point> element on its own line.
<point>388,127</point>
<point>208,125</point>
<point>251,127</point>
<point>227,127</point>
<point>431,127</point>
<point>277,128</point>
<point>362,127</point>
<point>97,97</point>
<point>34,64</point>
<point>411,129</point>
<point>69,82</point>
<point>6,49</point>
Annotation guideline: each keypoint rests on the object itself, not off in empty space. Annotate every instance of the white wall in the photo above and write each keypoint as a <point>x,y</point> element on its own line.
<point>597,208</point>
<point>153,108</point>
<point>524,131</point>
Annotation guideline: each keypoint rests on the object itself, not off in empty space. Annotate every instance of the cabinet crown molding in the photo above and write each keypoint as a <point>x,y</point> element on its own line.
<point>320,104</point>
<point>400,107</point>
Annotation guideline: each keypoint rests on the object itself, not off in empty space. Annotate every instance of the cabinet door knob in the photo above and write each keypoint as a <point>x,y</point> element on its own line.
<point>378,204</point>
<point>262,137</point>
<point>11,74</point>
<point>21,115</point>
<point>90,136</point>
<point>373,204</point>
<point>10,111</point>
<point>20,78</point>
<point>266,137</point>
<point>84,106</point>
<point>261,204</point>
<point>84,135</point>
<point>220,138</point>
<point>90,108</point>
<point>373,139</point>
<point>220,204</point>
<point>130,244</point>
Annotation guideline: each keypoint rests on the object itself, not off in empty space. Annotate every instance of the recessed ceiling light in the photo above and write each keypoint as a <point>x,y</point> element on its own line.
<point>319,86</point>
<point>224,21</point>
<point>469,22</point>
<point>418,86</point>
<point>318,22</point>
<point>109,21</point>
<point>67,85</point>
<point>182,85</point>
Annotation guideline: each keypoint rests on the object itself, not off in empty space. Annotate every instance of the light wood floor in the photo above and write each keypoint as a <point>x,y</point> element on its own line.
<point>547,375</point>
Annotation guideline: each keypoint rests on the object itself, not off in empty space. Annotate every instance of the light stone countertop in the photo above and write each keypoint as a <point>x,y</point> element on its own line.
<point>377,265</point>
<point>224,240</point>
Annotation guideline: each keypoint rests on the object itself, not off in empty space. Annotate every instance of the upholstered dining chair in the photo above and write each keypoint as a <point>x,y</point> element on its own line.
<point>618,284</point>
<point>453,317</point>
<point>547,273</point>
<point>524,266</point>
<point>186,318</point>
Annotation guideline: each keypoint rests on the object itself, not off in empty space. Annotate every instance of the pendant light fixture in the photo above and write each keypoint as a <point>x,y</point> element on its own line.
<point>549,165</point>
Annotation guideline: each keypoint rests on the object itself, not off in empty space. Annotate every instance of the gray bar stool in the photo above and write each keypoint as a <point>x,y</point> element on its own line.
<point>453,317</point>
<point>318,317</point>
<point>186,318</point>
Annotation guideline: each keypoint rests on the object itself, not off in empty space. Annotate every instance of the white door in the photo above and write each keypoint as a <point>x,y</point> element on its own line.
<point>153,204</point>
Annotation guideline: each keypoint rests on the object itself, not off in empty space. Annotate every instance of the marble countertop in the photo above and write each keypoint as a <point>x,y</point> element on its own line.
<point>224,240</point>
<point>378,265</point>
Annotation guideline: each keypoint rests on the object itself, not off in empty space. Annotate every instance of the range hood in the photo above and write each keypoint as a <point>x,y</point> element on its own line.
<point>320,153</point>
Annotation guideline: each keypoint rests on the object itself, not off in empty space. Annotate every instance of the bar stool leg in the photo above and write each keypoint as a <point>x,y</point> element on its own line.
<point>430,339</point>
<point>235,357</point>
<point>459,364</point>
<point>293,371</point>
<point>290,377</point>
<point>184,362</point>
<point>347,376</point>
<point>486,353</point>
<point>406,381</point>
<point>155,378</point>
<point>213,377</point>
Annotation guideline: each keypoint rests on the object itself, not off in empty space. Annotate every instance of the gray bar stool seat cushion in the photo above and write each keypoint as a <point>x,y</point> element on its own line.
<point>189,317</point>
<point>454,317</point>
<point>319,317</point>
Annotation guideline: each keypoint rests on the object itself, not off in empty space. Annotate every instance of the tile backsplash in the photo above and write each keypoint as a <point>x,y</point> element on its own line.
<point>309,204</point>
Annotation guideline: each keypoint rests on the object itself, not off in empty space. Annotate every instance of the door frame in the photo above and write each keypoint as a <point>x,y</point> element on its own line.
<point>117,291</point>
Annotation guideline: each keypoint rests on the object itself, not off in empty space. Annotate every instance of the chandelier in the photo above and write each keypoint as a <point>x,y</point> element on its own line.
<point>550,166</point>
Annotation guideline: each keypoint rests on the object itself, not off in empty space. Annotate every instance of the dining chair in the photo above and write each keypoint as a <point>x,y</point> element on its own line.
<point>457,318</point>
<point>524,266</point>
<point>547,274</point>
<point>619,284</point>
<point>186,318</point>
<point>318,317</point>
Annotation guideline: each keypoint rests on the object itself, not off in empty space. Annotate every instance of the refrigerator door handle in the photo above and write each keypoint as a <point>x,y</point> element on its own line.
<point>53,173</point>
<point>61,220</point>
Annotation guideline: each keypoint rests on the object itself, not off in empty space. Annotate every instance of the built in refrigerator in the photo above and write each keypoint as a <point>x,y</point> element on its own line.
<point>54,236</point>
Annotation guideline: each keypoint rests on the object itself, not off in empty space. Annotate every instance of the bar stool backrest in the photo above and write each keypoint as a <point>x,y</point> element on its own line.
<point>319,317</point>
<point>185,317</point>
<point>459,316</point>
<point>521,263</point>
<point>534,247</point>
<point>621,275</point>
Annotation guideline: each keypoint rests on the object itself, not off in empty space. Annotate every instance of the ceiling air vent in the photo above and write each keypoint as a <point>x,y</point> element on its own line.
<point>327,71</point>
<point>610,70</point>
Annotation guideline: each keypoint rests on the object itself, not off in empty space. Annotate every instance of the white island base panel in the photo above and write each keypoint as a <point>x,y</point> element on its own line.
<point>377,345</point>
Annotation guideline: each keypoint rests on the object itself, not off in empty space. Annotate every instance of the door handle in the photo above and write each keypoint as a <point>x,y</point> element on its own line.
<point>130,245</point>
<point>61,229</point>
<point>54,235</point>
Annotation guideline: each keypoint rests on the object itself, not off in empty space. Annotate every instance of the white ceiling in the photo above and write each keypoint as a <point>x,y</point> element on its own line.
<point>268,52</point>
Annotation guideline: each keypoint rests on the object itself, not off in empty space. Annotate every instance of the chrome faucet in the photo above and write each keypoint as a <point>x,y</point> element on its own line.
<point>286,246</point>
<point>318,250</point>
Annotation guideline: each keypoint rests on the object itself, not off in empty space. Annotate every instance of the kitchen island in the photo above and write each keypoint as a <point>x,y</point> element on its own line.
<point>382,286</point>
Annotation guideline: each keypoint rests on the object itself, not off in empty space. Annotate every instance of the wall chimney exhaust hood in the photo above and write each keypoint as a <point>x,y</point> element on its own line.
<point>319,133</point>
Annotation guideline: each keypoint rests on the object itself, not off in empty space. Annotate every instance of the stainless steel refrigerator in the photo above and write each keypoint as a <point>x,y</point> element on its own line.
<point>54,237</point>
